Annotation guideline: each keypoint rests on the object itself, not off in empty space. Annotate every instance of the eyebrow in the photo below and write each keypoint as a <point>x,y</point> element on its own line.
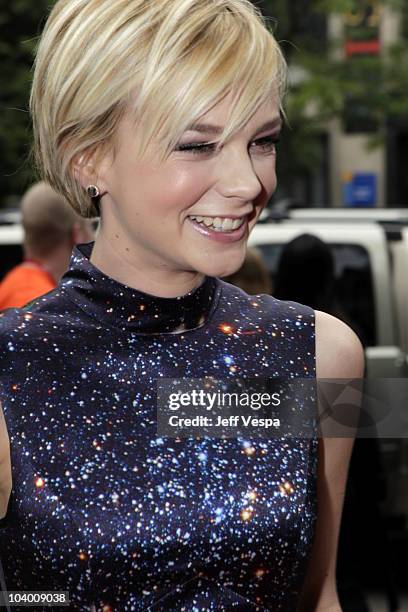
<point>208,128</point>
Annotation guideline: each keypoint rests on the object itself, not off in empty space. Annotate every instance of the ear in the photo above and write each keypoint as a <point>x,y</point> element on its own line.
<point>84,168</point>
<point>87,167</point>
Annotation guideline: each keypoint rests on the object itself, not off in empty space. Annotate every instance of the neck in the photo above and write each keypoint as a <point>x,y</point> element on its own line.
<point>136,311</point>
<point>114,258</point>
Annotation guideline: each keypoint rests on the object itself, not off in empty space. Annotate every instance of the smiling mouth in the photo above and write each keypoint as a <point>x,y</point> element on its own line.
<point>220,224</point>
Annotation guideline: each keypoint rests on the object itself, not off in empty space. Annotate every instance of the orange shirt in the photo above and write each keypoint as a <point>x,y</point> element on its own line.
<point>24,283</point>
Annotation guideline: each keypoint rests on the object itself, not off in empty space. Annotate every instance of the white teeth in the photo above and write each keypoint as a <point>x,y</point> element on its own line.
<point>228,224</point>
<point>221,225</point>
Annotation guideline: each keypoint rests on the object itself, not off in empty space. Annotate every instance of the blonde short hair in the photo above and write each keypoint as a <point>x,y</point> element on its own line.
<point>167,61</point>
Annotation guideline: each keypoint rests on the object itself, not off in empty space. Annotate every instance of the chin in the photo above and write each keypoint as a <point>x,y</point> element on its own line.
<point>219,265</point>
<point>222,268</point>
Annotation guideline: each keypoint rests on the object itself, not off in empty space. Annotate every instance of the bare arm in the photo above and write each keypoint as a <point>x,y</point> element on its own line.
<point>5,471</point>
<point>339,354</point>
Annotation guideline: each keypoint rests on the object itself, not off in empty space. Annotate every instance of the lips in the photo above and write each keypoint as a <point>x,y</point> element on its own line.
<point>220,235</point>
<point>226,224</point>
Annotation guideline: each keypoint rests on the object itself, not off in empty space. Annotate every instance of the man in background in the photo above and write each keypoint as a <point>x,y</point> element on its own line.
<point>51,230</point>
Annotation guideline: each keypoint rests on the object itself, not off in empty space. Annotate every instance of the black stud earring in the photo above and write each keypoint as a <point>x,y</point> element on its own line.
<point>93,191</point>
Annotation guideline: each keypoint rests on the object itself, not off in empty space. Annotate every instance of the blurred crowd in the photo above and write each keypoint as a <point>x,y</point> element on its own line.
<point>51,230</point>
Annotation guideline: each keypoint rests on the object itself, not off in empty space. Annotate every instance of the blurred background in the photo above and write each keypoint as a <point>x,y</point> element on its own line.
<point>334,235</point>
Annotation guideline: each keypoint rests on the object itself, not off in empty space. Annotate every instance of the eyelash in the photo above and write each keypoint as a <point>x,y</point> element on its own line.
<point>202,147</point>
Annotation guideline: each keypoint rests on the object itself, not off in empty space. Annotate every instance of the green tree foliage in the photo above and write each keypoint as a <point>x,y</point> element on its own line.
<point>363,91</point>
<point>20,24</point>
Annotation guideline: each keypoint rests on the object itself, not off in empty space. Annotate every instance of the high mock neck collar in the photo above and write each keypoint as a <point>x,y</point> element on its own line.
<point>122,306</point>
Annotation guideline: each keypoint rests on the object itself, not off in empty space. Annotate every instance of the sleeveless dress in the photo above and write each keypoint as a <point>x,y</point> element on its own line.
<point>124,519</point>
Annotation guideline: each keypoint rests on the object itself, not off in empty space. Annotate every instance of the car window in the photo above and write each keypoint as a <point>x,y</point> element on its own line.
<point>354,285</point>
<point>10,256</point>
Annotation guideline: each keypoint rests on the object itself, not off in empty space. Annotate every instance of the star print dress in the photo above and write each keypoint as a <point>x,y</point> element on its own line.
<point>124,519</point>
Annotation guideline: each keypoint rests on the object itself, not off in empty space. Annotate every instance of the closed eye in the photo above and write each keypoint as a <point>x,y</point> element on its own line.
<point>266,144</point>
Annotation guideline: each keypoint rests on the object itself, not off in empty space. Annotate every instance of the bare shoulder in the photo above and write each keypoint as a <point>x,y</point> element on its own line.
<point>339,352</point>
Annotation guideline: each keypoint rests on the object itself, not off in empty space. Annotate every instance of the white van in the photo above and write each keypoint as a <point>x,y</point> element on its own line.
<point>11,250</point>
<point>365,277</point>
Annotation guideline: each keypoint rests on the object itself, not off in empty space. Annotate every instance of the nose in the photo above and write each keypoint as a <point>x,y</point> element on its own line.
<point>237,177</point>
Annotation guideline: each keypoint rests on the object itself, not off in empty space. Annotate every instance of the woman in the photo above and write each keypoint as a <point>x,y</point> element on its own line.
<point>163,117</point>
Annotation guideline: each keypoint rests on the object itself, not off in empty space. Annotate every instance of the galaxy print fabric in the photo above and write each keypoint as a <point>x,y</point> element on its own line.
<point>103,507</point>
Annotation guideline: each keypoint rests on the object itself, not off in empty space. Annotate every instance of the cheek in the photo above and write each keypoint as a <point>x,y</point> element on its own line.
<point>272,181</point>
<point>177,189</point>
<point>267,176</point>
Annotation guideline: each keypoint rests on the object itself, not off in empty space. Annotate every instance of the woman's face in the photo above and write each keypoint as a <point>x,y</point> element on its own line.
<point>146,212</point>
